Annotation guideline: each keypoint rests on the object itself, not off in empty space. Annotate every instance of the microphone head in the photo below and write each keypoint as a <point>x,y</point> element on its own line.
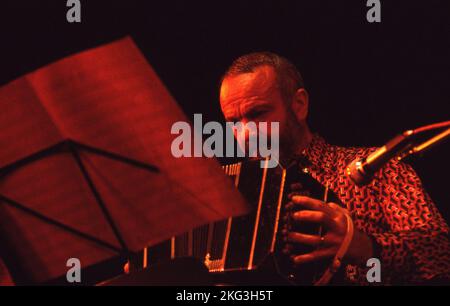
<point>355,170</point>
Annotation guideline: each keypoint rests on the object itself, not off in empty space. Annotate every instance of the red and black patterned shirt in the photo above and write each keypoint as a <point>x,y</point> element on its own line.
<point>410,235</point>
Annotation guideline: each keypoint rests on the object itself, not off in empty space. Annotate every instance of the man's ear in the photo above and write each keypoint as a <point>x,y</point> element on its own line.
<point>300,103</point>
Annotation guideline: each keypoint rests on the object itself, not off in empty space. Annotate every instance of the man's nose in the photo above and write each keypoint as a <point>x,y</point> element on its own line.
<point>246,133</point>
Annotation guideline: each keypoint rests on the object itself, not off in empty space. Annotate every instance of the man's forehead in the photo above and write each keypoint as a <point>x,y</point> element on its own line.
<point>260,82</point>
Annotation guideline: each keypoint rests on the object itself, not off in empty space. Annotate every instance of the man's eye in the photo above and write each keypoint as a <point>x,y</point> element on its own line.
<point>256,114</point>
<point>232,120</point>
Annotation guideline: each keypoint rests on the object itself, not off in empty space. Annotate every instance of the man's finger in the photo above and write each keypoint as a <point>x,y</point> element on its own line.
<point>314,217</point>
<point>312,204</point>
<point>335,206</point>
<point>304,238</point>
<point>314,256</point>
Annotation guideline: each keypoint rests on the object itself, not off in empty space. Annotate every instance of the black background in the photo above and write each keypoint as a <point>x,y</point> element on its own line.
<point>367,82</point>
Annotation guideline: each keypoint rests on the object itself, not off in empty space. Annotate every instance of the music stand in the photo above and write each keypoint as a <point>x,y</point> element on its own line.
<point>87,172</point>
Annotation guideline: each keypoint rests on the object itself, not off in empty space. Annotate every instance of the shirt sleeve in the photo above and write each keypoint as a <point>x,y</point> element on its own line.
<point>415,246</point>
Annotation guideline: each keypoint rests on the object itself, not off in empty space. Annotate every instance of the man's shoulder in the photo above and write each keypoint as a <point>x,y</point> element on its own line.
<point>393,169</point>
<point>346,154</point>
<point>353,151</point>
<point>342,156</point>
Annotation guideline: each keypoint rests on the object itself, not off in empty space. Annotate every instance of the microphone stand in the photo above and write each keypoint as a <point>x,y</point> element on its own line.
<point>428,143</point>
<point>401,146</point>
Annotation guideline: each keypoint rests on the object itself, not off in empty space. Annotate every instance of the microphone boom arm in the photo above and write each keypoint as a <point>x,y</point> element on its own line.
<point>362,170</point>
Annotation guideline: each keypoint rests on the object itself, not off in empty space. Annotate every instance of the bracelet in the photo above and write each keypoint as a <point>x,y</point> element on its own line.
<point>337,260</point>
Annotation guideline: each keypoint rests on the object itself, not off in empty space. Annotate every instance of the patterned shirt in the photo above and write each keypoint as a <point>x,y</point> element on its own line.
<point>409,234</point>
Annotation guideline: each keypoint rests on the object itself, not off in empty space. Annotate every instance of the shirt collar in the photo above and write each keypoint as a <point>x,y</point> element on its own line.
<point>311,154</point>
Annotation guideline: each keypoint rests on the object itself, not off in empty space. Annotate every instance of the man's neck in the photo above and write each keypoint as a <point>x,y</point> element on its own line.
<point>304,141</point>
<point>301,143</point>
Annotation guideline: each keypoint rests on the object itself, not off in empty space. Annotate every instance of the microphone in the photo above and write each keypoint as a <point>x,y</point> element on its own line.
<point>361,170</point>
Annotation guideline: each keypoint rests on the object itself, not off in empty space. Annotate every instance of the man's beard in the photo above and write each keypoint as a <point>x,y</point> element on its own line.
<point>290,134</point>
<point>290,137</point>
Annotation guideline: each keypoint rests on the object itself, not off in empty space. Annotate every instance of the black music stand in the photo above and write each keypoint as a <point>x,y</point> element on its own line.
<point>87,171</point>
<point>73,148</point>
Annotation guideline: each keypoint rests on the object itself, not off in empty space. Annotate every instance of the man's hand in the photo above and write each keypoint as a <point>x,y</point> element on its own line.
<point>332,218</point>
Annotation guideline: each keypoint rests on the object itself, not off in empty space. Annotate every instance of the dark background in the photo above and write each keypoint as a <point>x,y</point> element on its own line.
<point>367,82</point>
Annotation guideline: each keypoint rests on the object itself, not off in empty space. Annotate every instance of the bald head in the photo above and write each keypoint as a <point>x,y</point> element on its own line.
<point>256,95</point>
<point>288,78</point>
<point>248,96</point>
